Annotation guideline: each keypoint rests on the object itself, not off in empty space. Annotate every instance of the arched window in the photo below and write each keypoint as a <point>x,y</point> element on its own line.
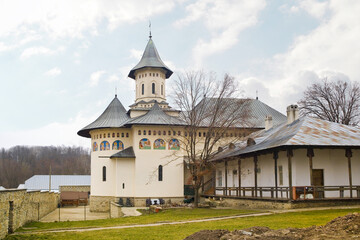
<point>105,145</point>
<point>118,145</point>
<point>104,173</point>
<point>95,146</point>
<point>153,88</point>
<point>160,174</point>
<point>174,144</point>
<point>142,89</point>
<point>159,144</point>
<point>144,144</point>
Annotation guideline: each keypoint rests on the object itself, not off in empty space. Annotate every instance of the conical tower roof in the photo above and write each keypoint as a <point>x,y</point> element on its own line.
<point>114,116</point>
<point>150,58</point>
<point>156,116</point>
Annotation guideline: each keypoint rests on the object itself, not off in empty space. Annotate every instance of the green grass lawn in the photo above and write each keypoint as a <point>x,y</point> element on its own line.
<point>164,216</point>
<point>180,231</point>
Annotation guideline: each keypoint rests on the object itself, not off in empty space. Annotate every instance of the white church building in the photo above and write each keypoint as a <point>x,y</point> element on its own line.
<point>136,154</point>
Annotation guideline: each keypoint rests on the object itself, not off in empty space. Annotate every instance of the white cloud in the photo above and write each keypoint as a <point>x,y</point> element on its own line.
<point>113,78</point>
<point>40,50</point>
<point>136,54</point>
<point>224,20</point>
<point>69,18</point>
<point>315,8</point>
<point>4,47</point>
<point>330,50</point>
<point>53,72</point>
<point>65,133</point>
<point>95,77</point>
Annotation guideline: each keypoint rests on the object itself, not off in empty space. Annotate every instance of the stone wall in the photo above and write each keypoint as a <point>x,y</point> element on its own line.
<point>115,210</point>
<point>254,204</point>
<point>141,202</point>
<point>85,188</point>
<point>18,207</point>
<point>282,204</point>
<point>101,203</point>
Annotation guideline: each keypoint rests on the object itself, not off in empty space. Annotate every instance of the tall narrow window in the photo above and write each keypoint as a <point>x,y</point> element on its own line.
<point>160,173</point>
<point>142,89</point>
<point>153,88</point>
<point>162,89</point>
<point>104,174</point>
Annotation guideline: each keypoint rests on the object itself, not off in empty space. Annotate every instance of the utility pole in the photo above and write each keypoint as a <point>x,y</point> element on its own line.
<point>50,179</point>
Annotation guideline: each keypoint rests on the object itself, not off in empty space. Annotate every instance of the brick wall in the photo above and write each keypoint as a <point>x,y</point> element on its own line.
<point>26,206</point>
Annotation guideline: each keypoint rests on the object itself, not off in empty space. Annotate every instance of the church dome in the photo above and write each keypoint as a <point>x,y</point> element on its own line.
<point>114,116</point>
<point>152,59</point>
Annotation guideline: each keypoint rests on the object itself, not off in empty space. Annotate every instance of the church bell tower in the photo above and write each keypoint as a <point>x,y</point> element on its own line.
<point>150,75</point>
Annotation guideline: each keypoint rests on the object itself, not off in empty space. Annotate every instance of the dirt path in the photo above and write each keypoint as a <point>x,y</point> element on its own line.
<point>142,225</point>
<point>180,222</point>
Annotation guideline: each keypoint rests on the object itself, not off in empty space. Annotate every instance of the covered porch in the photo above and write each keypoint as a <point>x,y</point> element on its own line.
<point>288,174</point>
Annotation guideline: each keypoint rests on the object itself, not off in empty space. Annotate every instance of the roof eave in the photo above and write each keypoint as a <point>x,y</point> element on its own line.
<point>168,72</point>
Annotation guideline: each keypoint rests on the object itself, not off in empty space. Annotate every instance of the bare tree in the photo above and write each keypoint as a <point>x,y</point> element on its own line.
<point>210,109</point>
<point>333,101</point>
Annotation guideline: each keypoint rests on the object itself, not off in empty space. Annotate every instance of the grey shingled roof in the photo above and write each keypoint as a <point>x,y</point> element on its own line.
<point>260,110</point>
<point>306,131</point>
<point>150,58</point>
<point>41,182</point>
<point>156,116</point>
<point>255,118</point>
<point>126,153</point>
<point>114,116</point>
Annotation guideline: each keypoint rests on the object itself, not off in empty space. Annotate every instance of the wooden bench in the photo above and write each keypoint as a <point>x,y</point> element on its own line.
<point>73,198</point>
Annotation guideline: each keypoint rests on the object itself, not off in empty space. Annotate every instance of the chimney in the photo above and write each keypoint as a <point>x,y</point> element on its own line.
<point>268,122</point>
<point>292,113</point>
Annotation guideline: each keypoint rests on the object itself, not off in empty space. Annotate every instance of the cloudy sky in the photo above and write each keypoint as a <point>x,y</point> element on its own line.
<point>60,61</point>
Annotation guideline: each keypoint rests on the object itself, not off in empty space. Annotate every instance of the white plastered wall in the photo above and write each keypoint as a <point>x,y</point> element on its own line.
<point>147,80</point>
<point>148,161</point>
<point>99,159</point>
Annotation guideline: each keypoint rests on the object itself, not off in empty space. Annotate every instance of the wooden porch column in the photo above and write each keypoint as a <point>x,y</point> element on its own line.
<point>276,156</point>
<point>239,176</point>
<point>226,173</point>
<point>348,154</point>
<point>310,155</point>
<point>290,155</point>
<point>255,173</point>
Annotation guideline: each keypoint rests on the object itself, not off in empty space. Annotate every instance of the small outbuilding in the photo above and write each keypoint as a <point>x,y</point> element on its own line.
<point>54,182</point>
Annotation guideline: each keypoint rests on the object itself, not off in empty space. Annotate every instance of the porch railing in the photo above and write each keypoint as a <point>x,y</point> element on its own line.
<point>298,192</point>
